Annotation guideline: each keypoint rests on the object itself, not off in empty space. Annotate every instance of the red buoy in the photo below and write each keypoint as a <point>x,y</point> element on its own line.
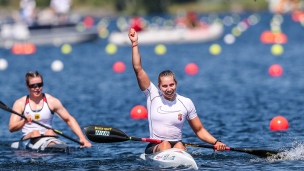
<point>119,67</point>
<point>275,70</point>
<point>139,112</point>
<point>298,16</point>
<point>23,48</point>
<point>278,123</point>
<point>88,22</point>
<point>191,69</point>
<point>268,37</point>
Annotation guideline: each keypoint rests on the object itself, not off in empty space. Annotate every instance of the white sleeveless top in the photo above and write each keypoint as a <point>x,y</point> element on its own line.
<point>43,116</point>
<point>166,118</point>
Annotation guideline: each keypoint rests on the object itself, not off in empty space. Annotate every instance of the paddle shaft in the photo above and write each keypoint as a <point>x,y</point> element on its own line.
<point>6,108</point>
<point>257,152</point>
<point>108,134</point>
<point>186,144</point>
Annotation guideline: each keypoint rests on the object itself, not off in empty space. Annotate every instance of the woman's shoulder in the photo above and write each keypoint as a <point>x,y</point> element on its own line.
<point>50,98</point>
<point>183,98</point>
<point>21,100</point>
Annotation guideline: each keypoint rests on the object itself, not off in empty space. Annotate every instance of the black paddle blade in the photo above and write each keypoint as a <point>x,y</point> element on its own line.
<point>4,107</point>
<point>105,134</point>
<point>257,152</point>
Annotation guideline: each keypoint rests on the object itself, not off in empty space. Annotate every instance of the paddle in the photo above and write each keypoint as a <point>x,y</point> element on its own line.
<point>6,108</point>
<point>107,134</point>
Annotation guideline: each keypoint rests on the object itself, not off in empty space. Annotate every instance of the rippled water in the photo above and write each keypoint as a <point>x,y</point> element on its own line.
<point>234,95</point>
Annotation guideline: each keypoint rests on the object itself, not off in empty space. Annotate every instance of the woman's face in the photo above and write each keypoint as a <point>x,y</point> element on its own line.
<point>168,86</point>
<point>35,86</point>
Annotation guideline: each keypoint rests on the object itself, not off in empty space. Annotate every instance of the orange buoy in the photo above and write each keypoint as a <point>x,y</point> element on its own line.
<point>280,38</point>
<point>278,123</point>
<point>29,48</point>
<point>17,49</point>
<point>23,49</point>
<point>139,112</point>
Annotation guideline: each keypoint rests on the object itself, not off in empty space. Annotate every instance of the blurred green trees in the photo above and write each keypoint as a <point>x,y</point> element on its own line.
<point>156,6</point>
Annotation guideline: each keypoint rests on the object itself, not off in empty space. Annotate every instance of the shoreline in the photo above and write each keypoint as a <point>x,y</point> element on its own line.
<point>200,7</point>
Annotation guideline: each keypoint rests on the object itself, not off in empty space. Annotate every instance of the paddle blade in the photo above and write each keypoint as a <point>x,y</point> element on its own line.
<point>105,134</point>
<point>257,152</point>
<point>4,107</point>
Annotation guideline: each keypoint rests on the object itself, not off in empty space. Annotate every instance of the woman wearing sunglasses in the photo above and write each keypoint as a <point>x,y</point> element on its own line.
<point>41,107</point>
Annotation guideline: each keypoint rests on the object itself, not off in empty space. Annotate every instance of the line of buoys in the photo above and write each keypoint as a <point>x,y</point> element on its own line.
<point>269,37</point>
<point>23,48</point>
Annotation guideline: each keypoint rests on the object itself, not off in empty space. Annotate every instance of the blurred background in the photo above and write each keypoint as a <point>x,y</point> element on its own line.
<point>129,7</point>
<point>240,61</point>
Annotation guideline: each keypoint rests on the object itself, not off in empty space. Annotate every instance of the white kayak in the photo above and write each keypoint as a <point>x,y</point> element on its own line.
<point>171,35</point>
<point>173,157</point>
<point>41,144</point>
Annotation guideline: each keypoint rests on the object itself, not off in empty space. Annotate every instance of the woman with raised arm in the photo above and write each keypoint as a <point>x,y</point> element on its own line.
<point>167,110</point>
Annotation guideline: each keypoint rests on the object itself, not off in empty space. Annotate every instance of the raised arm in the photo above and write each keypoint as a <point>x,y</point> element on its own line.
<point>142,77</point>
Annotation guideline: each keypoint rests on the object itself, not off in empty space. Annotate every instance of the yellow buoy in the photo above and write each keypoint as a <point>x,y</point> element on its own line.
<point>160,49</point>
<point>111,49</point>
<point>277,49</point>
<point>66,48</point>
<point>215,49</point>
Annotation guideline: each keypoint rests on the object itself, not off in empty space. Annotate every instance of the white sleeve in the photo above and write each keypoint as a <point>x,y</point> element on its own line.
<point>191,110</point>
<point>151,91</point>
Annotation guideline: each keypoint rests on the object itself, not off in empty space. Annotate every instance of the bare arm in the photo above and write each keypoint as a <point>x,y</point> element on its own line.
<point>58,108</point>
<point>142,77</point>
<point>16,122</point>
<point>203,134</point>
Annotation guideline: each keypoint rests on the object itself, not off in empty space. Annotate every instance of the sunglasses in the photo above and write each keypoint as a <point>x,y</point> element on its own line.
<point>36,85</point>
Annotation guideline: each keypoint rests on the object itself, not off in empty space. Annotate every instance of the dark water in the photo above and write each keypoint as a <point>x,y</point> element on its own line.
<point>234,95</point>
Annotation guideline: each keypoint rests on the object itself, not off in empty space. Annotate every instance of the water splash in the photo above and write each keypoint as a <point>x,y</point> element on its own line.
<point>294,153</point>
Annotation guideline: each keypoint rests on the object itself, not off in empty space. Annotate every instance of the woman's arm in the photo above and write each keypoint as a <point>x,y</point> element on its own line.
<point>142,77</point>
<point>204,135</point>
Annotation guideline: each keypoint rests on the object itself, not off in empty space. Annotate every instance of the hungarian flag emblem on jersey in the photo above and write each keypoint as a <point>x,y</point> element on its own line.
<point>180,117</point>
